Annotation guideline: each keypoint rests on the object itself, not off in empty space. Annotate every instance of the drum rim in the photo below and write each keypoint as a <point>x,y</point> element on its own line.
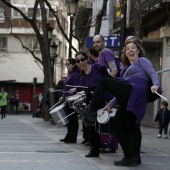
<point>105,112</point>
<point>61,105</point>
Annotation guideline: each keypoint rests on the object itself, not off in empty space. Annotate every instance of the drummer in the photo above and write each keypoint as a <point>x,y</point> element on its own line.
<point>73,78</point>
<point>90,76</point>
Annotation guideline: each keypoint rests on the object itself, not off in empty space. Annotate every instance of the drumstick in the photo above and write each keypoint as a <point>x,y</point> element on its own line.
<point>54,105</point>
<point>78,86</point>
<point>58,91</point>
<point>161,96</point>
<point>66,117</point>
<point>101,113</point>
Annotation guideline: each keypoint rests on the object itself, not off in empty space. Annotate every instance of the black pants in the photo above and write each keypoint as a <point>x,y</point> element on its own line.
<point>3,111</point>
<point>94,137</point>
<point>163,127</point>
<point>129,136</point>
<point>73,125</point>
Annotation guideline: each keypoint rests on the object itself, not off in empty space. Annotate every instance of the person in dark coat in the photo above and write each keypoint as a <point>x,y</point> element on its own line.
<point>163,118</point>
<point>16,103</point>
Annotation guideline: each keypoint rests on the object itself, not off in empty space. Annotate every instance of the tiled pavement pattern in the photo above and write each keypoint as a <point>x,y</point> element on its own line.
<point>28,143</point>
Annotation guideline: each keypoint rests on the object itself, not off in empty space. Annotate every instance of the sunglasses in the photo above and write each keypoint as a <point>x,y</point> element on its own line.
<point>67,64</point>
<point>81,60</point>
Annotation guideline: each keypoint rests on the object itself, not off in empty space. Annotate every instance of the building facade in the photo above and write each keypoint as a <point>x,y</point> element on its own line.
<point>18,66</point>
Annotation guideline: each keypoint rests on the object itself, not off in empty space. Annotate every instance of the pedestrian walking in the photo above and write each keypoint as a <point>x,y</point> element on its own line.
<point>11,105</point>
<point>3,102</point>
<point>16,103</point>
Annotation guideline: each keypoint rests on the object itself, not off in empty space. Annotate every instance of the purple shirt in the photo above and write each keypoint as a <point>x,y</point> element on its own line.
<point>72,79</point>
<point>93,78</point>
<point>106,56</point>
<point>139,74</point>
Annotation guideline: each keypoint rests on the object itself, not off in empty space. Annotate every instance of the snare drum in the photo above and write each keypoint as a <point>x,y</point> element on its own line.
<point>105,121</point>
<point>75,100</point>
<point>58,113</point>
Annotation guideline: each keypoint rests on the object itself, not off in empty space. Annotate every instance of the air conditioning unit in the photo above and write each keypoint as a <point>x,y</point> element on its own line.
<point>164,31</point>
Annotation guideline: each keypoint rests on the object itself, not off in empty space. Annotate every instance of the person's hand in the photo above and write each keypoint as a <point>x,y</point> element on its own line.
<point>154,88</point>
<point>107,108</point>
<point>60,99</point>
<point>73,90</point>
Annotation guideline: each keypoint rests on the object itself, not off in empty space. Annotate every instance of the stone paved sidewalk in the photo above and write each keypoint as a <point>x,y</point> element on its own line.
<point>33,144</point>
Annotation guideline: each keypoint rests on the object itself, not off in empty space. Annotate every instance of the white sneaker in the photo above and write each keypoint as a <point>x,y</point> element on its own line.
<point>166,136</point>
<point>159,136</point>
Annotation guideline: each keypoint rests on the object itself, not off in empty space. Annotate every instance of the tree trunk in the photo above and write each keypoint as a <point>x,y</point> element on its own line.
<point>99,18</point>
<point>137,20</point>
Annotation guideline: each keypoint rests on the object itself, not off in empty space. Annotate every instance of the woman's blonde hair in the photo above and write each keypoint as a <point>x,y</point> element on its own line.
<point>138,43</point>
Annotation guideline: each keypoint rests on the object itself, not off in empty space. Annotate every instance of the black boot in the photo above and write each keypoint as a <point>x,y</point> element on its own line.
<point>127,162</point>
<point>92,153</point>
<point>63,140</point>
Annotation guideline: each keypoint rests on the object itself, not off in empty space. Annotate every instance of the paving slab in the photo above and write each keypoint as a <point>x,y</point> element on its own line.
<point>33,144</point>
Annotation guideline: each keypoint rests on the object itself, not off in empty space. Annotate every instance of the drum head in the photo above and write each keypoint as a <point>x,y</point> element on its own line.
<point>112,112</point>
<point>72,98</point>
<point>102,116</point>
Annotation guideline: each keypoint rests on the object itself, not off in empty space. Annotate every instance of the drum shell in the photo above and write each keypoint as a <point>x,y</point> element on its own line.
<point>75,100</point>
<point>106,128</point>
<point>57,114</point>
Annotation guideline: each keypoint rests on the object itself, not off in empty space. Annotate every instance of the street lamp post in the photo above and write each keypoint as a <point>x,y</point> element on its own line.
<point>53,53</point>
<point>123,25</point>
<point>53,48</point>
<point>71,11</point>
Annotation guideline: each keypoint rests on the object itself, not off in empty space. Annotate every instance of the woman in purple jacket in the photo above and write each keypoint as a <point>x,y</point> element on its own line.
<point>131,94</point>
<point>73,78</point>
<point>90,76</point>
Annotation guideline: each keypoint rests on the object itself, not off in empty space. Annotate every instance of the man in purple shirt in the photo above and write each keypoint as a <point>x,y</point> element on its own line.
<point>106,56</point>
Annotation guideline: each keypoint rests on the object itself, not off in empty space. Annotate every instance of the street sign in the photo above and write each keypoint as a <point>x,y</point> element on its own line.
<point>111,41</point>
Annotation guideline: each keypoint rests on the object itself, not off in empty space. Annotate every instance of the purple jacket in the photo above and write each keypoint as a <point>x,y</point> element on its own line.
<point>72,79</point>
<point>139,74</point>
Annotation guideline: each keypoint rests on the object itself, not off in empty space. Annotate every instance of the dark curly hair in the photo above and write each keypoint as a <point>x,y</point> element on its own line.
<point>73,62</point>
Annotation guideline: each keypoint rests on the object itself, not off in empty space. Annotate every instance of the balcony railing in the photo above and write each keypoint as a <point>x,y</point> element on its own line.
<point>145,7</point>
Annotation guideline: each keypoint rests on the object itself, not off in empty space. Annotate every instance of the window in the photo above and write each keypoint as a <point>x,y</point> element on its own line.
<point>17,14</point>
<point>30,12</point>
<point>2,16</point>
<point>3,43</point>
<point>32,43</point>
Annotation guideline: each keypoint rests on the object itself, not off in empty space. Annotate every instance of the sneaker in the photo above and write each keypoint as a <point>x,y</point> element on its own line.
<point>159,136</point>
<point>166,136</point>
<point>86,113</point>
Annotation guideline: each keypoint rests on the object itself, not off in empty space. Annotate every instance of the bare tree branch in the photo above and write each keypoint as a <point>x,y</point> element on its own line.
<point>23,46</point>
<point>99,17</point>
<point>59,24</point>
<point>17,9</point>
